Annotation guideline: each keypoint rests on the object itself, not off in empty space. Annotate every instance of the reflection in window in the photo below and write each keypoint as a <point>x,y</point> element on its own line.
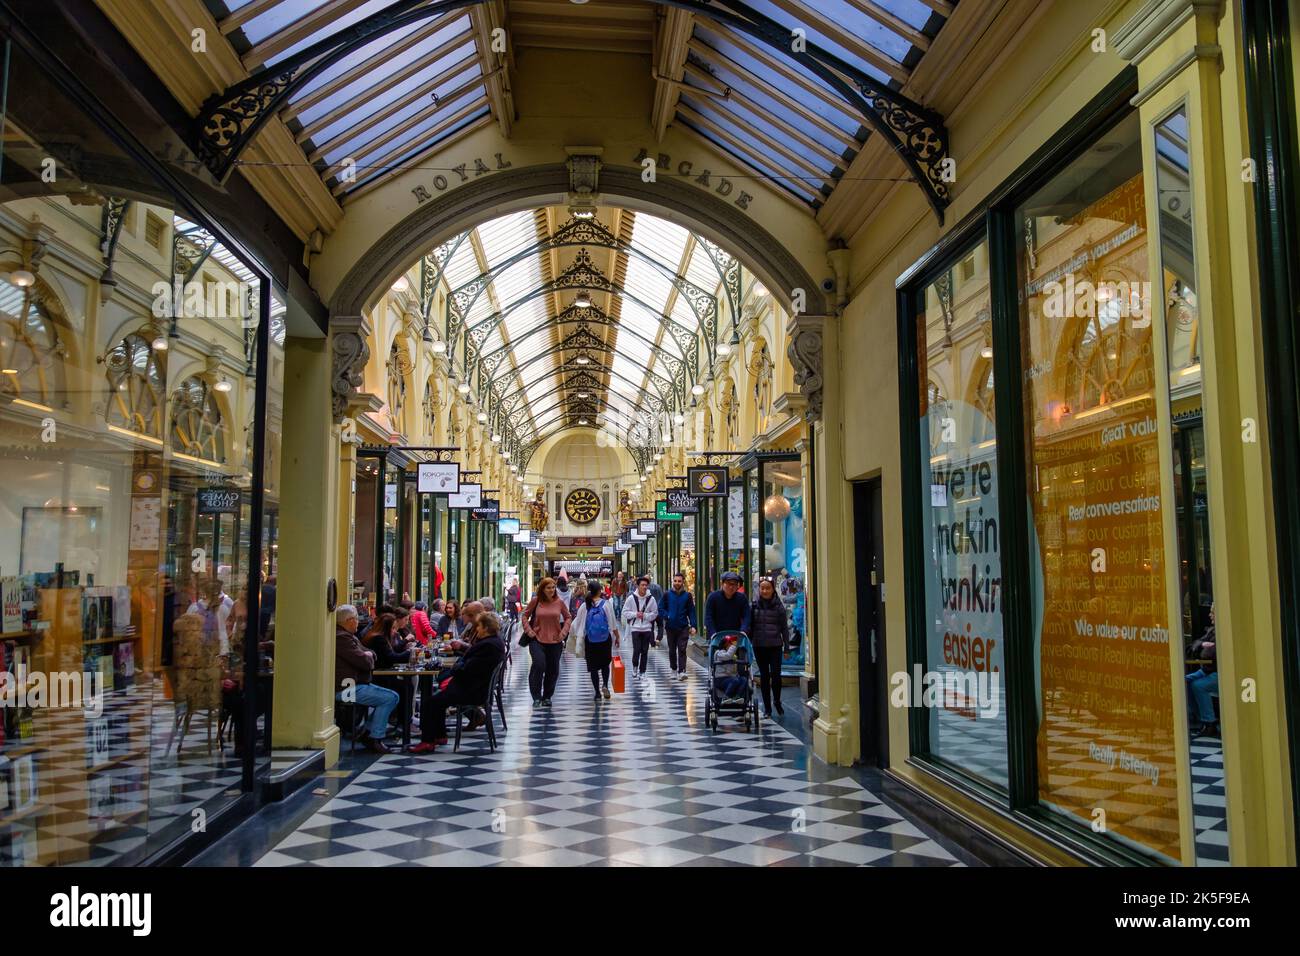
<point>31,352</point>
<point>962,626</point>
<point>137,381</point>
<point>198,428</point>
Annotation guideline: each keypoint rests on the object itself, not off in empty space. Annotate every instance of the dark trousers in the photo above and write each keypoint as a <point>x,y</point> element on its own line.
<point>678,639</point>
<point>641,650</point>
<point>433,709</point>
<point>545,669</point>
<point>769,674</point>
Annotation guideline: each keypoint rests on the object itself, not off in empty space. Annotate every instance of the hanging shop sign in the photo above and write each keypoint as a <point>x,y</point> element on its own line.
<point>663,514</point>
<point>608,549</point>
<point>706,481</point>
<point>622,547</point>
<point>390,496</point>
<point>218,501</point>
<point>636,535</point>
<point>647,527</point>
<point>523,537</point>
<point>469,496</point>
<point>508,526</point>
<point>682,502</point>
<point>488,510</point>
<point>579,542</point>
<point>437,478</point>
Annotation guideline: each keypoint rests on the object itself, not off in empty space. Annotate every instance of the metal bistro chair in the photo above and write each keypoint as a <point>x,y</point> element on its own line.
<point>351,719</point>
<point>465,710</point>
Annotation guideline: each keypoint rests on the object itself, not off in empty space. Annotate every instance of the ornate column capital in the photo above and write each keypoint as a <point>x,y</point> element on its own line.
<point>805,352</point>
<point>349,350</point>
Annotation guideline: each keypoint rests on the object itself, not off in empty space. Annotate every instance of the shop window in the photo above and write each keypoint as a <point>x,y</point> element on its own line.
<point>961,679</point>
<point>198,427</point>
<point>32,353</point>
<point>137,383</point>
<point>1097,564</point>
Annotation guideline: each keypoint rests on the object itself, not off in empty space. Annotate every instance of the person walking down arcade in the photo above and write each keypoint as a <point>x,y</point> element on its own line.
<point>596,625</point>
<point>639,613</point>
<point>546,625</point>
<point>770,635</point>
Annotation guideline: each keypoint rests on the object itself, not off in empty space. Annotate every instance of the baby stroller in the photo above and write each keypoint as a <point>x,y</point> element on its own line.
<point>741,705</point>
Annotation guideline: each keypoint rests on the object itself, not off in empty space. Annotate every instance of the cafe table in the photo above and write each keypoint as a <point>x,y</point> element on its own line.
<point>425,673</point>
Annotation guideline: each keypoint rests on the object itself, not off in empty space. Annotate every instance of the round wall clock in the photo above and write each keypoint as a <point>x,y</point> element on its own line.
<point>582,506</point>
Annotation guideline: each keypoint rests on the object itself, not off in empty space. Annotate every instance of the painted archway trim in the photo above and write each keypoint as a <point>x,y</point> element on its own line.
<point>513,189</point>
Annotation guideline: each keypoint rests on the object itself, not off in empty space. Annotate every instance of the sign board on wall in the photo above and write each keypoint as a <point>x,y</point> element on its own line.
<point>508,526</point>
<point>682,502</point>
<point>663,514</point>
<point>390,496</point>
<point>469,496</point>
<point>647,526</point>
<point>706,481</point>
<point>488,510</point>
<point>218,501</point>
<point>437,478</point>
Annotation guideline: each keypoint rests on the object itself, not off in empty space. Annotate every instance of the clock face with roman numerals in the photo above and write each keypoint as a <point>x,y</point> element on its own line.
<point>582,506</point>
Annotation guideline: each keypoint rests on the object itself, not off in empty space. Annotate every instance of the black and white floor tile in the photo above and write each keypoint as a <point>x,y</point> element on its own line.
<point>634,781</point>
<point>1209,802</point>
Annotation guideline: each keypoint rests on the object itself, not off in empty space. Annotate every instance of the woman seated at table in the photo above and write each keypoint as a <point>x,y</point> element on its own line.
<point>468,683</point>
<point>449,621</point>
<point>389,647</point>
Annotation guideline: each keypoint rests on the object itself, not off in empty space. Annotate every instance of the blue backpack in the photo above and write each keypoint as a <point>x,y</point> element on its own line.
<point>597,624</point>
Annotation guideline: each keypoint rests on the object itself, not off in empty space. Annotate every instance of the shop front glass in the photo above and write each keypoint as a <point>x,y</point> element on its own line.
<point>784,556</point>
<point>967,726</point>
<point>455,584</point>
<point>128,378</point>
<point>388,553</point>
<point>366,500</point>
<point>1106,707</point>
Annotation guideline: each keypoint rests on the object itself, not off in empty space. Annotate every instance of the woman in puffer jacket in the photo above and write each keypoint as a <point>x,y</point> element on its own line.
<point>769,632</point>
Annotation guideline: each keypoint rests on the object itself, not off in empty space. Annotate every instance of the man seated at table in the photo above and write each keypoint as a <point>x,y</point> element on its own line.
<point>468,683</point>
<point>352,675</point>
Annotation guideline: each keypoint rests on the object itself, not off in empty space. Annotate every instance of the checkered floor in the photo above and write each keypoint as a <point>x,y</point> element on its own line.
<point>636,781</point>
<point>1209,802</point>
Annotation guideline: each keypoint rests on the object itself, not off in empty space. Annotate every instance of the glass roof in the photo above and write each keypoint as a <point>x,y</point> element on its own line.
<point>510,292</point>
<point>411,91</point>
<point>202,239</point>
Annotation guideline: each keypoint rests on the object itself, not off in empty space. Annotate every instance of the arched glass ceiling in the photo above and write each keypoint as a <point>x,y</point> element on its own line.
<point>411,92</point>
<point>533,294</point>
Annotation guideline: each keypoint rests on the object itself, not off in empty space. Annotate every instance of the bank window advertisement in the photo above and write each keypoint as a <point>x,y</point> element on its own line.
<point>961,685</point>
<point>1106,747</point>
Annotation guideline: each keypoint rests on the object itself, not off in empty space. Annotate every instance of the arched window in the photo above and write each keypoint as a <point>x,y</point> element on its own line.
<point>1109,361</point>
<point>137,382</point>
<point>31,352</point>
<point>198,428</point>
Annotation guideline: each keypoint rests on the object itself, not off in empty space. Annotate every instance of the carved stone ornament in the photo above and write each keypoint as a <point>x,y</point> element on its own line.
<point>349,352</point>
<point>805,352</point>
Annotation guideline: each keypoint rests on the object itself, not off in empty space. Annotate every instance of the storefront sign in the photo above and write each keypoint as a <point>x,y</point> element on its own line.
<point>647,527</point>
<point>390,496</point>
<point>218,501</point>
<point>579,542</point>
<point>681,502</point>
<point>706,481</point>
<point>469,496</point>
<point>663,514</point>
<point>437,478</point>
<point>621,547</point>
<point>636,535</point>
<point>608,549</point>
<point>508,526</point>
<point>662,164</point>
<point>488,510</point>
<point>459,174</point>
<point>523,537</point>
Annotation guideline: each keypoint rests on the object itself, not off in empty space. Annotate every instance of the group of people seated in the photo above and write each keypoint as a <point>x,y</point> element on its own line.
<point>393,637</point>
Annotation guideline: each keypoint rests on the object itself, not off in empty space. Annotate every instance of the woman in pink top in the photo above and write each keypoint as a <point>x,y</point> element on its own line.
<point>547,622</point>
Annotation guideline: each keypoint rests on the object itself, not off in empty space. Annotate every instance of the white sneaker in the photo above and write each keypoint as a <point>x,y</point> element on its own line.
<point>681,675</point>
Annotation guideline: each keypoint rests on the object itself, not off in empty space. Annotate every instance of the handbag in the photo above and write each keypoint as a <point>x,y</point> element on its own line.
<point>530,617</point>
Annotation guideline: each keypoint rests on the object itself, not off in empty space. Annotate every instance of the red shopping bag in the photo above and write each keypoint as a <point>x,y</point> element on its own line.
<point>619,671</point>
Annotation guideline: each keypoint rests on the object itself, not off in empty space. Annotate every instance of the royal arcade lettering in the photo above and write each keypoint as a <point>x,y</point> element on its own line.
<point>705,178</point>
<point>460,174</point>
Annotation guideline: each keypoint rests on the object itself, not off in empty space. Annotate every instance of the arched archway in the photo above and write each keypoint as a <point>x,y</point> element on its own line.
<point>375,268</point>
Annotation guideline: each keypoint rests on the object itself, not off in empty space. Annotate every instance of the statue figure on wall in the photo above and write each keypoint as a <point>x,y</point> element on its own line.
<point>624,507</point>
<point>707,443</point>
<point>537,507</point>
<point>730,415</point>
<point>760,372</point>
